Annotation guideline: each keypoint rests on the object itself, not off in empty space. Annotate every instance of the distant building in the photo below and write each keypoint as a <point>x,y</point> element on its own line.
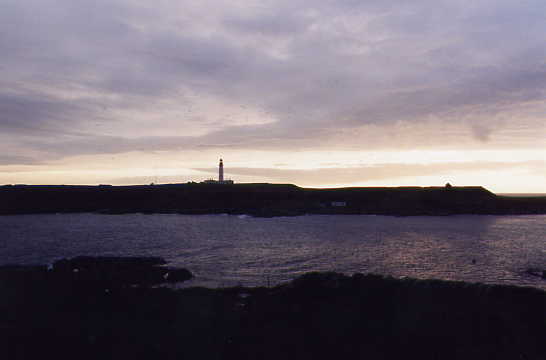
<point>221,179</point>
<point>338,203</point>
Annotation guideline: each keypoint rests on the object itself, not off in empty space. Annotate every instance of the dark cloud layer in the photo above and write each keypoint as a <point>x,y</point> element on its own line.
<point>69,66</point>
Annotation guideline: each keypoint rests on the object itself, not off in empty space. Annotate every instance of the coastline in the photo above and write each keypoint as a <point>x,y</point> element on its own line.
<point>317,315</point>
<point>262,200</point>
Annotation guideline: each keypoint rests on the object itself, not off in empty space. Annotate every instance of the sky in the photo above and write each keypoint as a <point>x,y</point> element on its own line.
<point>320,94</point>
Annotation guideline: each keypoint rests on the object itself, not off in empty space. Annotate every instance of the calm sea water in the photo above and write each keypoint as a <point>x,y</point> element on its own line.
<point>224,250</point>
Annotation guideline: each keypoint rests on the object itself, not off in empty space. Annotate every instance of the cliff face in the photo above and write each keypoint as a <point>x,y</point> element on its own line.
<point>316,316</point>
<point>262,200</point>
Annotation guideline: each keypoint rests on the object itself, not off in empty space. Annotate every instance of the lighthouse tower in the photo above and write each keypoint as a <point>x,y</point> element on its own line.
<point>221,171</point>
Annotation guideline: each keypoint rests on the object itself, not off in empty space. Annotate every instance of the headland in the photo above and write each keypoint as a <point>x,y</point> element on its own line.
<point>262,200</point>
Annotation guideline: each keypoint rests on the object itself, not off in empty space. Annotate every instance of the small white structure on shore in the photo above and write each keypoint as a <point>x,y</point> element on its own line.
<point>220,176</point>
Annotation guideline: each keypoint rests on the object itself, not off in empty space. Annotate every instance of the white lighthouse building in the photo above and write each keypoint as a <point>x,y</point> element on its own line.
<point>221,179</point>
<point>221,171</point>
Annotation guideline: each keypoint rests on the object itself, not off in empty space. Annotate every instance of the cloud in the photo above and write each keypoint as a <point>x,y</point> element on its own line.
<point>346,175</point>
<point>481,132</point>
<point>164,179</point>
<point>120,76</point>
<point>16,160</point>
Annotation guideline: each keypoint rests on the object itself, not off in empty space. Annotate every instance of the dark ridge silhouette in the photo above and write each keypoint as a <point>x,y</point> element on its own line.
<point>261,200</point>
<point>316,316</point>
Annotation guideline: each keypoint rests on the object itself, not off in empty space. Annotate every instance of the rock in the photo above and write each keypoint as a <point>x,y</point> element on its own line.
<point>317,316</point>
<point>115,272</point>
<point>174,275</point>
<point>107,261</point>
<point>536,272</point>
<point>23,273</point>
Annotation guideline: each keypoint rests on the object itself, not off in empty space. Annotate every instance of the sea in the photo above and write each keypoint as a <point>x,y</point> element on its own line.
<point>230,250</point>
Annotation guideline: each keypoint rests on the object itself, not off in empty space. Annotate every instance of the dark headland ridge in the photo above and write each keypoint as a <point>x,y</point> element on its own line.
<point>262,200</point>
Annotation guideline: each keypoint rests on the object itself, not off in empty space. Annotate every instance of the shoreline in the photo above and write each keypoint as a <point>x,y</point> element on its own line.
<point>316,315</point>
<point>259,216</point>
<point>262,200</point>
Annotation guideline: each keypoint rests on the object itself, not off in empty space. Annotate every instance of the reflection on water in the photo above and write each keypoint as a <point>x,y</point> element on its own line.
<point>229,250</point>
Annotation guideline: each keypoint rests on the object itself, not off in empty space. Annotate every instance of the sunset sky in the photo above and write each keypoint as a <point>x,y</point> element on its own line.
<point>316,93</point>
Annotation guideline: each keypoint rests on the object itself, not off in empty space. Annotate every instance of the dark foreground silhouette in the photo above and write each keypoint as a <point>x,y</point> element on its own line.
<point>262,200</point>
<point>105,310</point>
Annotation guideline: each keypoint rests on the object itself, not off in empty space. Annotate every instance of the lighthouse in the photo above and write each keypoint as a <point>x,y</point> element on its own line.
<point>221,179</point>
<point>221,171</point>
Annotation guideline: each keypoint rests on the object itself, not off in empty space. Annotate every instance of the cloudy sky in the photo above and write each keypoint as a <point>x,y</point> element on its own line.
<point>317,93</point>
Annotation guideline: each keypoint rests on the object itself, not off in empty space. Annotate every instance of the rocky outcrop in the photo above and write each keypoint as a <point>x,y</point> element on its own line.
<point>536,272</point>
<point>316,316</point>
<point>99,272</point>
